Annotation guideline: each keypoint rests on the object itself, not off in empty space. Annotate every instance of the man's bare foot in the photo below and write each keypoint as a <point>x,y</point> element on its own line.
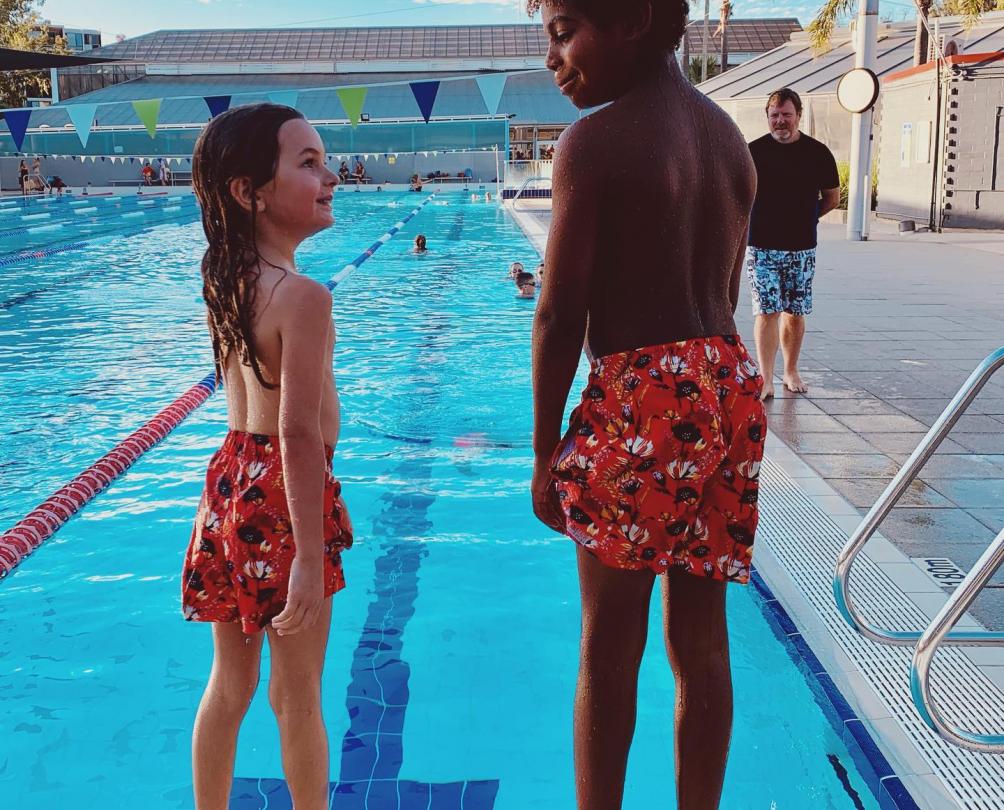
<point>793,383</point>
<point>768,391</point>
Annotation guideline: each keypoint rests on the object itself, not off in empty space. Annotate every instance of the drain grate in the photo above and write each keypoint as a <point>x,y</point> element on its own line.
<point>806,542</point>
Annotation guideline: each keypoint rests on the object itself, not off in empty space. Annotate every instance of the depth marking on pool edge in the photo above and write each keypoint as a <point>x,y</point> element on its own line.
<point>377,696</point>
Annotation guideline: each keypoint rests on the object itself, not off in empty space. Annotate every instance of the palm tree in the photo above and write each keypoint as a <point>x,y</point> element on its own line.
<point>821,28</point>
<point>694,69</point>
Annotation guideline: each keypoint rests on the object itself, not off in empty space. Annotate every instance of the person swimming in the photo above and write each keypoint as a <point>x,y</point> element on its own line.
<point>420,244</point>
<point>515,269</point>
<point>526,285</point>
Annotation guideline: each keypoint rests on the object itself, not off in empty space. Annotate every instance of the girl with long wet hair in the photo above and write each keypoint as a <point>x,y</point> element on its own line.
<point>265,552</point>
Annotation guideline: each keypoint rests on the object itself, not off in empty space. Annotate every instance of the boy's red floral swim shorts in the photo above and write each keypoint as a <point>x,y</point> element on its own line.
<point>661,462</point>
<point>238,562</point>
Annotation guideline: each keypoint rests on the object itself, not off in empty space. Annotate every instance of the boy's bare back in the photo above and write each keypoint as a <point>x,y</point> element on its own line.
<point>652,195</point>
<point>294,337</point>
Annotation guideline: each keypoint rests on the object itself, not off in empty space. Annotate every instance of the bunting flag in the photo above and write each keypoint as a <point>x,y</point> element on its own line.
<point>492,87</point>
<point>148,111</point>
<point>82,118</point>
<point>425,95</point>
<point>217,104</point>
<point>17,123</point>
<point>287,98</point>
<point>352,99</point>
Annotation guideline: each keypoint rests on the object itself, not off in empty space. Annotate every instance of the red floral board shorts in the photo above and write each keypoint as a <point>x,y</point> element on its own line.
<point>661,462</point>
<point>238,562</point>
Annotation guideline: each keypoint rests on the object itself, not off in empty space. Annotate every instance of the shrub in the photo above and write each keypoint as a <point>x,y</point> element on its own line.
<point>844,173</point>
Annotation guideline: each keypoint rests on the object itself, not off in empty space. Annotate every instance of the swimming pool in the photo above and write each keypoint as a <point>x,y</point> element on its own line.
<point>453,650</point>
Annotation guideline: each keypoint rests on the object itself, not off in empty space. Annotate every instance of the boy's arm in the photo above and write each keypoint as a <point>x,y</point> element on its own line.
<point>560,323</point>
<point>737,274</point>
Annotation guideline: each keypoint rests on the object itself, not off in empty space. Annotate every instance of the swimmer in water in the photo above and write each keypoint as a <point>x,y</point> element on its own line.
<point>515,269</point>
<point>526,285</point>
<point>420,244</point>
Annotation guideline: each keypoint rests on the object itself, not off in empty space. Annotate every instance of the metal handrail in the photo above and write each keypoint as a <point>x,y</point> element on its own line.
<point>522,188</point>
<point>909,472</point>
<point>937,633</point>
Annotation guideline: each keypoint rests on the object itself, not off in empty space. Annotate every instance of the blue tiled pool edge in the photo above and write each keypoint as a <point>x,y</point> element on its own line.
<point>875,769</point>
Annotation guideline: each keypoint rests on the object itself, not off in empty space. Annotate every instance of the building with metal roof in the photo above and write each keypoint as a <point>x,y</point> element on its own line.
<point>747,38</point>
<point>182,68</point>
<point>743,91</point>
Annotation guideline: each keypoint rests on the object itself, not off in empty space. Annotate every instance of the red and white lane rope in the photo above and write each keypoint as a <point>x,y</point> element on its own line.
<point>45,519</point>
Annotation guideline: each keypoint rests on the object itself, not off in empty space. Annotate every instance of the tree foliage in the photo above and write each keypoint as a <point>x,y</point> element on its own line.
<point>821,28</point>
<point>694,68</point>
<point>22,29</point>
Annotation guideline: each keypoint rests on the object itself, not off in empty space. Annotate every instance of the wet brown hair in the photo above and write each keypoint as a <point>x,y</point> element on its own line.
<point>779,97</point>
<point>669,17</point>
<point>242,142</point>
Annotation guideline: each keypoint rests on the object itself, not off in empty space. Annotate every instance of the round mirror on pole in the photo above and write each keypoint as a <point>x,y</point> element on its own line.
<point>858,90</point>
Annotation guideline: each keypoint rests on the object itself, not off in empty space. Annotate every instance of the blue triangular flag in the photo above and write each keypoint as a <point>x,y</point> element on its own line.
<point>492,86</point>
<point>425,94</point>
<point>217,104</point>
<point>82,118</point>
<point>17,123</point>
<point>285,97</point>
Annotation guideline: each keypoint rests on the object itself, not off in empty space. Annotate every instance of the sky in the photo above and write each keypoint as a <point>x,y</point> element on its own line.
<point>113,17</point>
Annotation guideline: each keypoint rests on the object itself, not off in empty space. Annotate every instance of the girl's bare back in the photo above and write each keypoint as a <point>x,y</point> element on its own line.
<point>288,309</point>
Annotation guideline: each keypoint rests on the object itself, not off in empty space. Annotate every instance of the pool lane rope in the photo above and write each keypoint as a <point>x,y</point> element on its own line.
<point>25,536</point>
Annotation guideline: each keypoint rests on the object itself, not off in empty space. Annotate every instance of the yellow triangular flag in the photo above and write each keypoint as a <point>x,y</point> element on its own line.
<point>148,111</point>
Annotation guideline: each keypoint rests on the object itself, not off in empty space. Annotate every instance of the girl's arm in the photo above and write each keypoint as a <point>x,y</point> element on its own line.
<point>304,327</point>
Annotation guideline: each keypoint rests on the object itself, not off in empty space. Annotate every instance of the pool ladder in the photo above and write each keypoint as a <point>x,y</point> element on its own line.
<point>522,188</point>
<point>939,631</point>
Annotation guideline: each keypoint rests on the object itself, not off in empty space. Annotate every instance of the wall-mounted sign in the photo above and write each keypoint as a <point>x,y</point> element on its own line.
<point>858,90</point>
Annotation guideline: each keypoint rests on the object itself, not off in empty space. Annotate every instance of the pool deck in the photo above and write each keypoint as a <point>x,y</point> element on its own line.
<point>899,323</point>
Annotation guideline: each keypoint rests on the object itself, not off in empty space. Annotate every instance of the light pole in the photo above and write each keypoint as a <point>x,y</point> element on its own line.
<point>859,186</point>
<point>704,46</point>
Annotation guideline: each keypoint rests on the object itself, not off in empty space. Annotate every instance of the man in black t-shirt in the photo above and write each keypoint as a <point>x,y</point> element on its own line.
<point>797,183</point>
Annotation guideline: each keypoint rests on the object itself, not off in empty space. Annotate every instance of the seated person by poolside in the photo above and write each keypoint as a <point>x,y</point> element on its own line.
<point>526,285</point>
<point>56,182</point>
<point>343,171</point>
<point>147,174</point>
<point>420,246</point>
<point>359,172</point>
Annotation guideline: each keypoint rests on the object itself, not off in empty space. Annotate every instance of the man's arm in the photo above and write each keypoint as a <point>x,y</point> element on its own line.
<point>560,323</point>
<point>829,184</point>
<point>830,200</point>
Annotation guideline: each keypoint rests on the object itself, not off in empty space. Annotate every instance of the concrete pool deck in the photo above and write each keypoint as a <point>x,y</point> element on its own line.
<point>899,323</point>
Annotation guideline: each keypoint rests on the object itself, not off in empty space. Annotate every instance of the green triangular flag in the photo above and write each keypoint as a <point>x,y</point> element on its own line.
<point>148,111</point>
<point>352,99</point>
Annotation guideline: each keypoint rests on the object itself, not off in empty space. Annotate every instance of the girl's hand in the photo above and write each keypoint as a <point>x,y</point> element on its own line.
<point>306,593</point>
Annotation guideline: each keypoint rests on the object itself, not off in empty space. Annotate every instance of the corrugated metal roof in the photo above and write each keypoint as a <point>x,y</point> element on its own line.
<point>794,65</point>
<point>745,36</point>
<point>431,42</point>
<point>531,98</point>
<point>322,44</point>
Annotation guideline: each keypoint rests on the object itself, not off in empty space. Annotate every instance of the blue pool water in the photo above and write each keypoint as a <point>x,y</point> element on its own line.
<point>453,650</point>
